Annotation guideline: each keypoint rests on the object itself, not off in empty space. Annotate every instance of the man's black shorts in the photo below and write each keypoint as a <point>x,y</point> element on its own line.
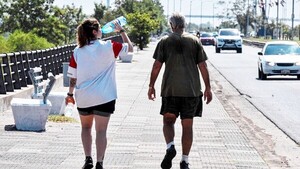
<point>186,107</point>
<point>105,109</point>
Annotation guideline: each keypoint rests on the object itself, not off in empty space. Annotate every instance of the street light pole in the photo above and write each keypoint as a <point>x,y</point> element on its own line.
<point>190,14</point>
<point>174,5</point>
<point>247,20</point>
<point>277,27</point>
<point>201,16</point>
<point>293,16</point>
<point>265,20</point>
<point>180,4</point>
<point>168,9</point>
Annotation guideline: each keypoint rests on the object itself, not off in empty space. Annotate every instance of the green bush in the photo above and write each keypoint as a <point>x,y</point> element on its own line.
<point>20,41</point>
<point>3,45</point>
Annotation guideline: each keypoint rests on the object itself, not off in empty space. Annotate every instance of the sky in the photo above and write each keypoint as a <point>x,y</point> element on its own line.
<point>194,7</point>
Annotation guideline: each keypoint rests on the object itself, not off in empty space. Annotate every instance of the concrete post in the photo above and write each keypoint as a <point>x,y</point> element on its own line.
<point>65,72</point>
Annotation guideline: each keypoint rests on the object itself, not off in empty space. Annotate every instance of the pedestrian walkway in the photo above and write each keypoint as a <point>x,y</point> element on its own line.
<point>135,138</point>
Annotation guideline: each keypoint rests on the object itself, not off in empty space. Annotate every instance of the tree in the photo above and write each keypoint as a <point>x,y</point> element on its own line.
<point>66,22</point>
<point>228,24</point>
<point>141,26</point>
<point>243,12</point>
<point>3,45</point>
<point>145,17</point>
<point>20,41</point>
<point>240,12</point>
<point>24,14</point>
<point>57,25</point>
<point>99,11</point>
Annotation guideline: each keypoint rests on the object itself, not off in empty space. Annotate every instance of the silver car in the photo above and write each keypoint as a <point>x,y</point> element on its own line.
<point>279,58</point>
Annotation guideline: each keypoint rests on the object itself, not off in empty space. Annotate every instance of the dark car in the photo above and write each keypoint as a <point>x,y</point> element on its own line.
<point>207,39</point>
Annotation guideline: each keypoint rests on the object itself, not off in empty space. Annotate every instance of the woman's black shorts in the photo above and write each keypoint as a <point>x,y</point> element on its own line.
<point>105,109</point>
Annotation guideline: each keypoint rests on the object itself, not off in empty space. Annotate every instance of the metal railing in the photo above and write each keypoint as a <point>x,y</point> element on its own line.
<point>14,67</point>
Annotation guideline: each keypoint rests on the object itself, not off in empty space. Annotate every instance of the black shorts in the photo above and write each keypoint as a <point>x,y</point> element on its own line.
<point>186,107</point>
<point>105,109</point>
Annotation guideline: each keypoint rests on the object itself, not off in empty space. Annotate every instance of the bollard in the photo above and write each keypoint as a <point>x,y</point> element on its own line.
<point>65,72</point>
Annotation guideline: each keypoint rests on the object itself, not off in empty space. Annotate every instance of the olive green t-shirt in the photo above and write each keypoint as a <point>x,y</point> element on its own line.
<point>181,54</point>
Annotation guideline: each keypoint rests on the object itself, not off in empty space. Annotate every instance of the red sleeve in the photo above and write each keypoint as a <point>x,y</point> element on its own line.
<point>117,47</point>
<point>73,63</point>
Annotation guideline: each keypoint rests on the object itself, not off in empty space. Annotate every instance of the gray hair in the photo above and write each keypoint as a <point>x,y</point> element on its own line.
<point>177,20</point>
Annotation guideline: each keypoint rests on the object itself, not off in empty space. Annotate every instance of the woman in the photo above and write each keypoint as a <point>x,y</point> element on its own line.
<point>92,73</point>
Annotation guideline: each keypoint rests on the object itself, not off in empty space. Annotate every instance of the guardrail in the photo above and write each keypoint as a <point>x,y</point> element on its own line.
<point>254,43</point>
<point>14,67</point>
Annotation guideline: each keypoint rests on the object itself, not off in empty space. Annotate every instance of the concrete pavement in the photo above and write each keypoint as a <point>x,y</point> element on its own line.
<point>135,138</point>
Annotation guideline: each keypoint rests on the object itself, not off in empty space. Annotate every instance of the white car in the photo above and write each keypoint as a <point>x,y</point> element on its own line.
<point>279,58</point>
<point>229,39</point>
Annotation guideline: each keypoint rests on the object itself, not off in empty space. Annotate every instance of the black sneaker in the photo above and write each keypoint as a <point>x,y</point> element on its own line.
<point>88,164</point>
<point>99,165</point>
<point>184,165</point>
<point>167,161</point>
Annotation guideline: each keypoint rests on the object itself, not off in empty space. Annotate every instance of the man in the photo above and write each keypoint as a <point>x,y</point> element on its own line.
<point>181,93</point>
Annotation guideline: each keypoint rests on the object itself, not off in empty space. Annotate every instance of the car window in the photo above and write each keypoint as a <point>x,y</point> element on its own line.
<point>229,33</point>
<point>282,49</point>
<point>206,35</point>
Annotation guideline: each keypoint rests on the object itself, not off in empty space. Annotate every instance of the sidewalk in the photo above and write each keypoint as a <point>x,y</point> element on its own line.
<point>135,138</point>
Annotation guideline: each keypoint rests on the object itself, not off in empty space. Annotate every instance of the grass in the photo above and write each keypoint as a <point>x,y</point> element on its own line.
<point>61,119</point>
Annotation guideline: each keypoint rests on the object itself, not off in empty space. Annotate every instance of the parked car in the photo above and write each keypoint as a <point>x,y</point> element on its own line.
<point>229,39</point>
<point>279,58</point>
<point>207,39</point>
<point>215,34</point>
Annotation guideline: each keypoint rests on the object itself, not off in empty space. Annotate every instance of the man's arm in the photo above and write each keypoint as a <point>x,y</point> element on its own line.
<point>205,75</point>
<point>154,74</point>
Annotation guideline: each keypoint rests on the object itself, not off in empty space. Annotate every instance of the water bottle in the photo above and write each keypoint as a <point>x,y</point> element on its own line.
<point>69,108</point>
<point>110,27</point>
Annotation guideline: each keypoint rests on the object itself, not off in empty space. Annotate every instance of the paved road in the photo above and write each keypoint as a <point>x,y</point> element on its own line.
<point>277,97</point>
<point>135,137</point>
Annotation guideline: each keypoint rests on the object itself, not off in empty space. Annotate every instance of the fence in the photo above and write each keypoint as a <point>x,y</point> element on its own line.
<point>15,66</point>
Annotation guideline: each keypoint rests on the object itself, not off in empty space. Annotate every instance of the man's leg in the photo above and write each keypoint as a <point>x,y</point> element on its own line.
<point>168,128</point>
<point>186,140</point>
<point>187,135</point>
<point>169,133</point>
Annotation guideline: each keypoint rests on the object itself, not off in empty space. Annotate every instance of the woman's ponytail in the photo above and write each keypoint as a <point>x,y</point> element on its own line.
<point>85,31</point>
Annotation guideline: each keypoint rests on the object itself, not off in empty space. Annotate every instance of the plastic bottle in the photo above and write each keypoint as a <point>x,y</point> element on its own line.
<point>110,27</point>
<point>69,108</point>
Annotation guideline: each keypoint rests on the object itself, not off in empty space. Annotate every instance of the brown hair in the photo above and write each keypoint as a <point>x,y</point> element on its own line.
<point>85,31</point>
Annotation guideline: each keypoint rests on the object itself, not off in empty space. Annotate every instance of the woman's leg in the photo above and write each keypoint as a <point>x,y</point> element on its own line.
<point>101,123</point>
<point>86,134</point>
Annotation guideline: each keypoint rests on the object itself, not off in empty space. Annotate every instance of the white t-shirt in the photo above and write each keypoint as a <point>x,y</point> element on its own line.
<point>94,68</point>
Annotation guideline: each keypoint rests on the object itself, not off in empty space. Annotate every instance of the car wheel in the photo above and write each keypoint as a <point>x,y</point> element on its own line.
<point>261,75</point>
<point>239,50</point>
<point>218,50</point>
